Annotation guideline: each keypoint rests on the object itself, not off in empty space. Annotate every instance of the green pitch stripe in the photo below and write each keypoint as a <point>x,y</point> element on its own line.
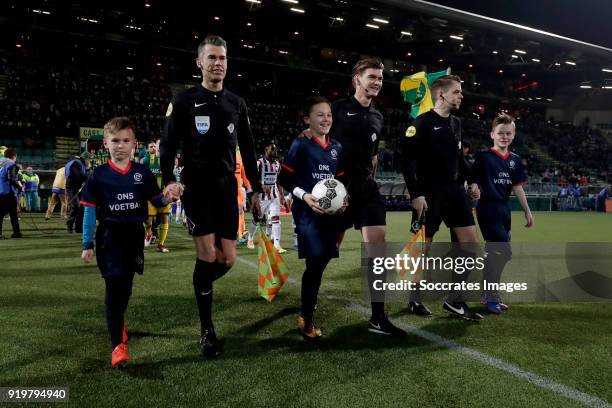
<point>532,378</point>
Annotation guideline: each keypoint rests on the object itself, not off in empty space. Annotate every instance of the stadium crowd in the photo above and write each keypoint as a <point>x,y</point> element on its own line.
<point>44,101</point>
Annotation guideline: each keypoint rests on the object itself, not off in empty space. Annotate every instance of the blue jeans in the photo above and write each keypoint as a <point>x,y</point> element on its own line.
<point>32,200</point>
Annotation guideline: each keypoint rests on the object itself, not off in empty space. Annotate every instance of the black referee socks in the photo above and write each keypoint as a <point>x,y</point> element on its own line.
<point>203,287</point>
<point>378,307</point>
<point>220,270</point>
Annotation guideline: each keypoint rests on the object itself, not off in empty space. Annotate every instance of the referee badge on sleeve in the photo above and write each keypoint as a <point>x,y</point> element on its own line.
<point>202,124</point>
<point>411,131</point>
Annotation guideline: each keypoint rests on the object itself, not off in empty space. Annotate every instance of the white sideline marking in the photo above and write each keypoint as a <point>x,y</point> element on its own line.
<point>532,378</point>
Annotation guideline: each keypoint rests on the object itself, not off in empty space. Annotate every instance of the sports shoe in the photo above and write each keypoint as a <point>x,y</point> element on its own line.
<point>120,356</point>
<point>250,244</point>
<point>148,239</point>
<point>302,324</point>
<point>382,325</point>
<point>309,330</point>
<point>242,240</point>
<point>16,235</point>
<point>461,309</point>
<point>124,336</point>
<point>494,307</point>
<point>162,248</point>
<point>210,346</point>
<point>502,306</point>
<point>419,309</point>
<point>281,250</point>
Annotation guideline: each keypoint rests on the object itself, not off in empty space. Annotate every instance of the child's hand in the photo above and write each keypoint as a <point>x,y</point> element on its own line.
<point>87,255</point>
<point>529,219</point>
<point>313,203</point>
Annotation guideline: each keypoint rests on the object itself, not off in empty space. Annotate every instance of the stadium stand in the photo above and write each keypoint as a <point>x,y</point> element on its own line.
<point>49,91</point>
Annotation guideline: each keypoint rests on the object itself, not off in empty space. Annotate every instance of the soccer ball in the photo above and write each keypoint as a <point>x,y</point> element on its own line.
<point>331,195</point>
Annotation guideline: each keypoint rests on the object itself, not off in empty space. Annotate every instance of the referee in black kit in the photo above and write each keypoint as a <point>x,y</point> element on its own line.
<point>358,126</point>
<point>432,164</point>
<point>208,121</point>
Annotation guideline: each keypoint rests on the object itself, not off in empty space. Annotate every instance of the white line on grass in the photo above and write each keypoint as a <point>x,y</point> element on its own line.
<point>532,378</point>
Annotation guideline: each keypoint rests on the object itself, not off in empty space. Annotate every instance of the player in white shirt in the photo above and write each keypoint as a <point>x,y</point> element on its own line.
<point>271,198</point>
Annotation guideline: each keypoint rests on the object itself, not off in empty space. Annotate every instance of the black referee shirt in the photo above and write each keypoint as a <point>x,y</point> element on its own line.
<point>431,150</point>
<point>358,129</point>
<point>208,125</point>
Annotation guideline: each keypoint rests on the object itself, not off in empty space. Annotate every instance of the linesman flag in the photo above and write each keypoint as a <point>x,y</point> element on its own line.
<point>273,271</point>
<point>415,90</point>
<point>414,249</point>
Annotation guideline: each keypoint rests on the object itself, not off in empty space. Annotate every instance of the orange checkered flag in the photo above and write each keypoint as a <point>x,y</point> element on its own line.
<point>415,247</point>
<point>273,271</point>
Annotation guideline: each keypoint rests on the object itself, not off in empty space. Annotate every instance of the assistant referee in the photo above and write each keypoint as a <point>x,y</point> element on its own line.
<point>358,126</point>
<point>431,165</point>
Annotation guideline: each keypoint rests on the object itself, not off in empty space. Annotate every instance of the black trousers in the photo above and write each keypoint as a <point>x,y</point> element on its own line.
<point>8,205</point>
<point>75,216</point>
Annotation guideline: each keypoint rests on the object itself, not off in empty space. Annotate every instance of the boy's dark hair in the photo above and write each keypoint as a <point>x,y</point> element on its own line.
<point>10,153</point>
<point>119,123</point>
<point>312,101</point>
<point>212,40</point>
<point>502,119</point>
<point>442,83</point>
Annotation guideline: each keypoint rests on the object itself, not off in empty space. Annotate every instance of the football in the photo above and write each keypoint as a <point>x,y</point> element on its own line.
<point>331,195</point>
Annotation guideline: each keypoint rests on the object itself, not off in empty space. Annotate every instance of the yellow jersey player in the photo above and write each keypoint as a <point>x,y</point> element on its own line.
<point>151,160</point>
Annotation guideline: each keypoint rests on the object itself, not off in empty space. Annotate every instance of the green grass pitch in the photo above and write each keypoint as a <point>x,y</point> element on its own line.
<point>53,333</point>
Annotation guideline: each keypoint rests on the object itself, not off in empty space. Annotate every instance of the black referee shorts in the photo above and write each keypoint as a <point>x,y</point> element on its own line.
<point>449,204</point>
<point>366,206</point>
<point>212,207</point>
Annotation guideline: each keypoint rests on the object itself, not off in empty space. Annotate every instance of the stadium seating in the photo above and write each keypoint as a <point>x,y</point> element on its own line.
<point>66,98</point>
